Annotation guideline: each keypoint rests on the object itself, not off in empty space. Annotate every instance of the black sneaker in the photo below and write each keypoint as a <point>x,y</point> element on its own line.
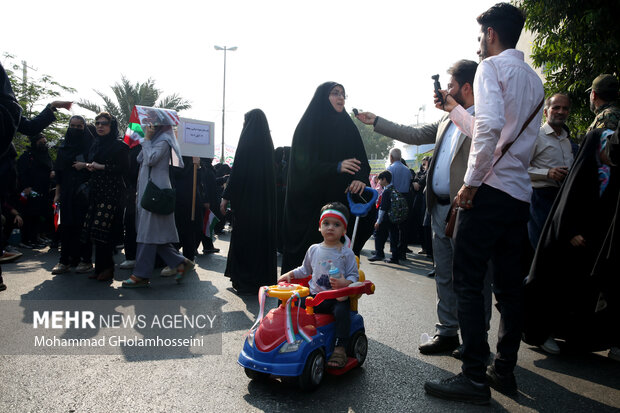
<point>375,258</point>
<point>459,388</point>
<point>439,344</point>
<point>391,260</point>
<point>506,384</point>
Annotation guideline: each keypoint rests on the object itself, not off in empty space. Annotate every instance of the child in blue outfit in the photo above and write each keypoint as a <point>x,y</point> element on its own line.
<point>384,226</point>
<point>331,254</point>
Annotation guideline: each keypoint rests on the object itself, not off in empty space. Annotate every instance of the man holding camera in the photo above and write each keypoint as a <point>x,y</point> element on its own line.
<point>445,177</point>
<point>494,205</point>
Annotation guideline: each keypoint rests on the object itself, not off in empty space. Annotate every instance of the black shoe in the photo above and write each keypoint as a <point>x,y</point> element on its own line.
<point>210,250</point>
<point>391,260</point>
<point>430,274</point>
<point>506,384</point>
<point>439,344</point>
<point>375,258</point>
<point>459,388</point>
<point>458,352</point>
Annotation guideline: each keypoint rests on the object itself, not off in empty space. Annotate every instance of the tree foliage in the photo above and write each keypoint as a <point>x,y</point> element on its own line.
<point>126,95</point>
<point>377,146</point>
<point>33,96</point>
<point>575,41</point>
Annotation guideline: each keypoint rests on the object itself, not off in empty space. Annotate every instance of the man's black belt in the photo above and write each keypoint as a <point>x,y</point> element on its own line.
<point>443,200</point>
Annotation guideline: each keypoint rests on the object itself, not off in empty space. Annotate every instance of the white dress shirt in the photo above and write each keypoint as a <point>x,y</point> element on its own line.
<point>550,151</point>
<point>506,91</point>
<point>444,155</point>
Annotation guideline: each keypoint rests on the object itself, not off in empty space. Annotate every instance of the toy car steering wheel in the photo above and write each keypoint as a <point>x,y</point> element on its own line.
<point>284,291</point>
<point>360,210</point>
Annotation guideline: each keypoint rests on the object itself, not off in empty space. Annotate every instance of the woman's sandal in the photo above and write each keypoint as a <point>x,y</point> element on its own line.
<point>135,282</point>
<point>188,266</point>
<point>339,360</point>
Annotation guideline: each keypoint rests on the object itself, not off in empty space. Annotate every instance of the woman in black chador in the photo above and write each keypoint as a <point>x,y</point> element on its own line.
<point>108,161</point>
<point>71,191</point>
<point>327,159</point>
<point>251,191</point>
<point>573,289</point>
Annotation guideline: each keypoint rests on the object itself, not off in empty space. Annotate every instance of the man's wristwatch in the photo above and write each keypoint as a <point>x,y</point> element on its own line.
<point>470,186</point>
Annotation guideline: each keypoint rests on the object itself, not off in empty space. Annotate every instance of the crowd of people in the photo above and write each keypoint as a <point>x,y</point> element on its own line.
<point>535,212</point>
<point>86,202</point>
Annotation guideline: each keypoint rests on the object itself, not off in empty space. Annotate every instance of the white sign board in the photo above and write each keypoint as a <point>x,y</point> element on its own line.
<point>196,138</point>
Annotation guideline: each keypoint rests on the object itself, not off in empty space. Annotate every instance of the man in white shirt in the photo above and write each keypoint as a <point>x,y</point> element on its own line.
<point>444,178</point>
<point>494,201</point>
<point>551,157</point>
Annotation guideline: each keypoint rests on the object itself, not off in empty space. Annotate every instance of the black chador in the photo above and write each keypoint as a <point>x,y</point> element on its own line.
<point>323,138</point>
<point>251,190</point>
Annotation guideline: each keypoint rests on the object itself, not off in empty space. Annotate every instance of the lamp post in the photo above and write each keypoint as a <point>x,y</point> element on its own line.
<point>232,49</point>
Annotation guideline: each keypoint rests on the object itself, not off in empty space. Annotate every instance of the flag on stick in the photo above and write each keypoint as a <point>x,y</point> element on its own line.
<point>208,223</point>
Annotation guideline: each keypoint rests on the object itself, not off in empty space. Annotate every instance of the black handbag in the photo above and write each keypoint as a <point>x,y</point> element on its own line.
<point>158,200</point>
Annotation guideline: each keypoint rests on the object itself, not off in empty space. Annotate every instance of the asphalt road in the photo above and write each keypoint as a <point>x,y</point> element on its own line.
<point>391,380</point>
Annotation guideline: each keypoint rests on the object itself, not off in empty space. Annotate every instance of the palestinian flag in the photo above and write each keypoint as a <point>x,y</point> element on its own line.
<point>208,223</point>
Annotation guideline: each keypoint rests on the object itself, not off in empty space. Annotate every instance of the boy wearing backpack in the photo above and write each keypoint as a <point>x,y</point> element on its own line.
<point>384,224</point>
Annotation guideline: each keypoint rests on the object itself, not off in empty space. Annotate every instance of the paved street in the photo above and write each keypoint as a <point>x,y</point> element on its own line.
<point>391,380</point>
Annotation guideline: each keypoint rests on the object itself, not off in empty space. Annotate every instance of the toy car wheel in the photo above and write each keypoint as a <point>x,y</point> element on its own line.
<point>255,375</point>
<point>358,347</point>
<point>313,371</point>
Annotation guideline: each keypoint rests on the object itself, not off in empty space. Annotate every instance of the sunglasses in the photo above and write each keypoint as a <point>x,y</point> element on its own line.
<point>102,123</point>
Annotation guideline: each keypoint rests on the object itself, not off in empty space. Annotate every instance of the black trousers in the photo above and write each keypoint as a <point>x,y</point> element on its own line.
<point>387,228</point>
<point>104,257</point>
<point>73,250</point>
<point>494,229</point>
<point>129,222</point>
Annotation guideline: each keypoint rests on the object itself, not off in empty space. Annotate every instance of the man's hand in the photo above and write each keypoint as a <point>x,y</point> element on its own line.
<point>465,197</point>
<point>18,221</point>
<point>376,226</point>
<point>366,117</point>
<point>578,241</point>
<point>356,187</point>
<point>558,174</point>
<point>61,104</point>
<point>449,102</point>
<point>350,166</point>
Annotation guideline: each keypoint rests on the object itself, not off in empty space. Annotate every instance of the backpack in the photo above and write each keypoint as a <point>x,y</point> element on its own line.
<point>399,210</point>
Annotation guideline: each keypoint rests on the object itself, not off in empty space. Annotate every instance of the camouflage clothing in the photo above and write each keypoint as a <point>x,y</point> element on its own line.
<point>607,117</point>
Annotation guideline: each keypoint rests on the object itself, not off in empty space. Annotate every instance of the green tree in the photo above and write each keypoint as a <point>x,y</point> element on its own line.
<point>575,41</point>
<point>32,96</point>
<point>377,146</point>
<point>127,95</point>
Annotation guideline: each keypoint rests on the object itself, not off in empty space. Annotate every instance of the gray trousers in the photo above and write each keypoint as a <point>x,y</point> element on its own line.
<point>145,258</point>
<point>443,251</point>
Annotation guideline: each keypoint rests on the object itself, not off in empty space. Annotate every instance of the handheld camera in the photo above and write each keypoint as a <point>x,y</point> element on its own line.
<point>437,88</point>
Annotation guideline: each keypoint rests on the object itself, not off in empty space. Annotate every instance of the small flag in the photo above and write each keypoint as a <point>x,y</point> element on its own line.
<point>208,223</point>
<point>56,215</point>
<point>134,135</point>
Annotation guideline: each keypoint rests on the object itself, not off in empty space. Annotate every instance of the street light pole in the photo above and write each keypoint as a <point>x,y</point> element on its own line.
<point>232,49</point>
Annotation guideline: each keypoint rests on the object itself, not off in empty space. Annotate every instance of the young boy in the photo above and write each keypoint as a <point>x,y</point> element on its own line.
<point>383,226</point>
<point>320,258</point>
